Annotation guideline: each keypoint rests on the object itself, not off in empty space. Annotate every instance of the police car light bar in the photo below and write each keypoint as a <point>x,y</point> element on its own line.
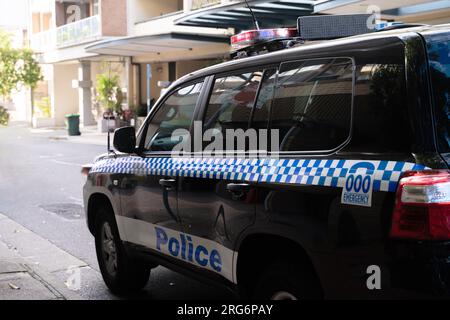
<point>252,37</point>
<point>333,26</point>
<point>422,208</point>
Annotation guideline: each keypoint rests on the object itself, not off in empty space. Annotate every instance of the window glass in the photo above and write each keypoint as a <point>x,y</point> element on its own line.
<point>312,106</point>
<point>176,113</point>
<point>231,102</point>
<point>264,100</point>
<point>439,62</point>
<point>380,117</point>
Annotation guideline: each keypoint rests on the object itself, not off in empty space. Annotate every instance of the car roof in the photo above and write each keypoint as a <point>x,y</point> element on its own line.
<point>307,48</point>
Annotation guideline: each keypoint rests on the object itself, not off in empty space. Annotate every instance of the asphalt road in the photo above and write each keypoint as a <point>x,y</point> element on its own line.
<point>41,189</point>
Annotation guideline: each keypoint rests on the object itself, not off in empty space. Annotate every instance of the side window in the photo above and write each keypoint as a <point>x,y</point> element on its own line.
<point>439,62</point>
<point>261,111</point>
<point>380,118</point>
<point>231,103</point>
<point>312,106</point>
<point>176,112</point>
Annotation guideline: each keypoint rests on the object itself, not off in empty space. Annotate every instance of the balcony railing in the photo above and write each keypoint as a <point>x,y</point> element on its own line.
<point>81,31</point>
<point>199,4</point>
<point>43,41</point>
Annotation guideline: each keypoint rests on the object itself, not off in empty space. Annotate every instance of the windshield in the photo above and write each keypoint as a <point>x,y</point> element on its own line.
<point>439,61</point>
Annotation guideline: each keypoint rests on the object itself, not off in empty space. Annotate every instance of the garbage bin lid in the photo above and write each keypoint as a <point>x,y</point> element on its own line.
<point>72,115</point>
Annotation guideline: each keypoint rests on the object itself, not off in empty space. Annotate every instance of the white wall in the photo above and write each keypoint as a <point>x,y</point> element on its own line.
<point>139,10</point>
<point>64,98</point>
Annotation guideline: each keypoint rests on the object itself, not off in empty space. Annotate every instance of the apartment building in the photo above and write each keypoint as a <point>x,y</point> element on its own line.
<point>150,43</point>
<point>139,43</point>
<point>59,31</point>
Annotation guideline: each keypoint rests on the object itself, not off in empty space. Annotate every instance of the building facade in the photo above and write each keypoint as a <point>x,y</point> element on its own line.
<point>150,43</point>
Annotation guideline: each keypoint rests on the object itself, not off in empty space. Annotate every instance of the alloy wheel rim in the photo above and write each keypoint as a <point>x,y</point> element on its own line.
<point>283,295</point>
<point>109,249</point>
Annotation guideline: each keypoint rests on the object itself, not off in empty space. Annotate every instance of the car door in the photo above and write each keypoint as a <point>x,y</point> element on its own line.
<point>149,195</point>
<point>217,201</point>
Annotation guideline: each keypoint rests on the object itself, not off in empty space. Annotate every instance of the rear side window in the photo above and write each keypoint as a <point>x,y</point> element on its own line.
<point>313,104</point>
<point>230,108</point>
<point>231,101</point>
<point>439,62</point>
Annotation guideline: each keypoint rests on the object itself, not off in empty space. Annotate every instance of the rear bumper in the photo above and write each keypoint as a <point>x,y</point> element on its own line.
<point>420,267</point>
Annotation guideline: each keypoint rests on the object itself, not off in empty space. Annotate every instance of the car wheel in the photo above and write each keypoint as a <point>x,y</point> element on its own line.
<point>285,280</point>
<point>121,273</point>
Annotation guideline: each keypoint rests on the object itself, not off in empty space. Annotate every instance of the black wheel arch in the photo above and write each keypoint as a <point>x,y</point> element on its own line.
<point>259,248</point>
<point>96,201</point>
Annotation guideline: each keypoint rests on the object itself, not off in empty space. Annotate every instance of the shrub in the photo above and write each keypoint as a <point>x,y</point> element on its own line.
<point>4,116</point>
<point>44,107</point>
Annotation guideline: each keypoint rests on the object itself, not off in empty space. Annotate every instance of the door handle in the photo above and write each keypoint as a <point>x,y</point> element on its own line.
<point>238,187</point>
<point>168,184</point>
<point>238,190</point>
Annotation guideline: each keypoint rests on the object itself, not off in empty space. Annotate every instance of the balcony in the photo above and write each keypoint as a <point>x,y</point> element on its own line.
<point>200,4</point>
<point>75,33</point>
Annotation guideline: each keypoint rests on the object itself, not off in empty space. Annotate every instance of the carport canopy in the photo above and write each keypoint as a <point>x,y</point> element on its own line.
<point>270,14</point>
<point>155,44</point>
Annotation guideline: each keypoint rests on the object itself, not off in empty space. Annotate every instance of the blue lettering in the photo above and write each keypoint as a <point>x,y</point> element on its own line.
<point>183,247</point>
<point>161,237</point>
<point>201,261</point>
<point>358,183</point>
<point>190,248</point>
<point>174,251</point>
<point>349,182</point>
<point>215,261</point>
<point>366,184</point>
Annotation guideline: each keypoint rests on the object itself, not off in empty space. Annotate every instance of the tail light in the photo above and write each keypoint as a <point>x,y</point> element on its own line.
<point>252,37</point>
<point>422,208</point>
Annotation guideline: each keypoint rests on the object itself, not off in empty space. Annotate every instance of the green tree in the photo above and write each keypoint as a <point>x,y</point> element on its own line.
<point>18,67</point>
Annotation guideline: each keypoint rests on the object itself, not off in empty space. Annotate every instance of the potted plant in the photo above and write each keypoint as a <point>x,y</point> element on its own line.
<point>110,97</point>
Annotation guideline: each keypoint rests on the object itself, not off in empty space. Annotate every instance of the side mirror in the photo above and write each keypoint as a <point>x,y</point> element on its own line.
<point>125,139</point>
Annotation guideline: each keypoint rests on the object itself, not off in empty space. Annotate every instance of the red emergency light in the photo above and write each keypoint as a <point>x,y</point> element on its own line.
<point>253,37</point>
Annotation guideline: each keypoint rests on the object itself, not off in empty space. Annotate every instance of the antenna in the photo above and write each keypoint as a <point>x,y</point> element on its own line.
<point>255,22</point>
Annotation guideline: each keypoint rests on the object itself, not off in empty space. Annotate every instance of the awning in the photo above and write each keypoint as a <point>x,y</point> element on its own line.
<point>181,43</point>
<point>407,10</point>
<point>236,15</point>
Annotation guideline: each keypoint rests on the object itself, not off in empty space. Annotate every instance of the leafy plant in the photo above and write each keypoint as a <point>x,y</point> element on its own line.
<point>18,68</point>
<point>109,93</point>
<point>4,116</point>
<point>44,107</point>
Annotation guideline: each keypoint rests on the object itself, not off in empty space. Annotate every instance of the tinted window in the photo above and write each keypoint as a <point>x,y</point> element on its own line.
<point>312,106</point>
<point>231,102</point>
<point>439,61</point>
<point>175,113</point>
<point>265,97</point>
<point>381,119</point>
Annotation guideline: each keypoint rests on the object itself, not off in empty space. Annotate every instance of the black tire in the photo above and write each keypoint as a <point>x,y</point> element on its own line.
<point>286,280</point>
<point>126,275</point>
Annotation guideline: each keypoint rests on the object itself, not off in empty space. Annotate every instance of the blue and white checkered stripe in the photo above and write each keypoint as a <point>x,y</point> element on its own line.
<point>319,172</point>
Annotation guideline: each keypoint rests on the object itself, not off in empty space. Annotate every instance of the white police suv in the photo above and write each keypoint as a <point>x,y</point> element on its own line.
<point>347,194</point>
